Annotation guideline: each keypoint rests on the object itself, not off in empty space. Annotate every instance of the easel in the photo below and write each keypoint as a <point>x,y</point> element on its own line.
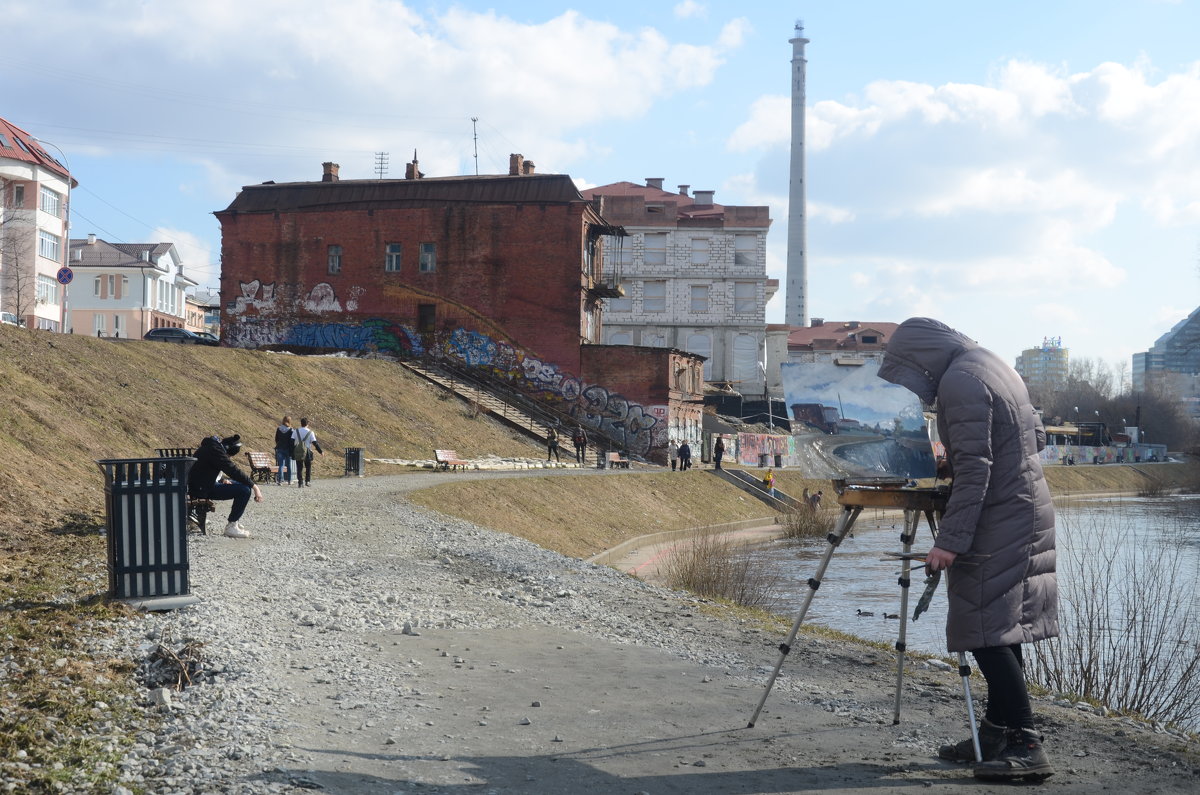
<point>854,496</point>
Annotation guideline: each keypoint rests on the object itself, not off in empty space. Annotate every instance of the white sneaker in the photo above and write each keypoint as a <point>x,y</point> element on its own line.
<point>235,530</point>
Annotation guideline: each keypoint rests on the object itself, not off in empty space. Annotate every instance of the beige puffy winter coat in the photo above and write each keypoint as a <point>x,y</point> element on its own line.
<point>999,518</point>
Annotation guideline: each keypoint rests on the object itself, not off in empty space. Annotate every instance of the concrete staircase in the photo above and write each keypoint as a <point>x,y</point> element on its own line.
<point>753,486</point>
<point>533,421</point>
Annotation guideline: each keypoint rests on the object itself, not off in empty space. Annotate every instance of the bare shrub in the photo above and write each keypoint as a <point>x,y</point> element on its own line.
<point>1130,626</point>
<point>803,522</point>
<point>1152,488</point>
<point>718,568</point>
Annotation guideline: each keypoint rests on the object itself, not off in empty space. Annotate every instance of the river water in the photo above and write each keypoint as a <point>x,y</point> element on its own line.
<point>1099,540</point>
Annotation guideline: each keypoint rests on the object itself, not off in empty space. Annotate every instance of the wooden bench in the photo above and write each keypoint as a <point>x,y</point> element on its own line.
<point>615,460</point>
<point>448,459</point>
<point>262,466</point>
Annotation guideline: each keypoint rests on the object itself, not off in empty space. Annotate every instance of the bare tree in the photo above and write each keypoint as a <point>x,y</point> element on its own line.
<point>17,279</point>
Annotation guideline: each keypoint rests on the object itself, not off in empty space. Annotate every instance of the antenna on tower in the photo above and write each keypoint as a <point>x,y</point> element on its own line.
<point>799,26</point>
<point>381,164</point>
<point>475,136</point>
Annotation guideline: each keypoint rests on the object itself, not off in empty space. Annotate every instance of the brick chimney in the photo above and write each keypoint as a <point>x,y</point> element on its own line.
<point>331,172</point>
<point>654,182</point>
<point>704,198</point>
<point>683,189</point>
<point>412,170</point>
<point>515,163</point>
<point>528,168</point>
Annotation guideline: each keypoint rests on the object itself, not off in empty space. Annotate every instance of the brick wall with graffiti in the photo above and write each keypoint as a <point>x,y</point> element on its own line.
<point>752,446</point>
<point>1109,454</point>
<point>640,430</point>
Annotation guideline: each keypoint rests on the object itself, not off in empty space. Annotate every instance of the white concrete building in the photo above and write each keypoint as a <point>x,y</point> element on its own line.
<point>35,191</point>
<point>126,289</point>
<point>694,275</point>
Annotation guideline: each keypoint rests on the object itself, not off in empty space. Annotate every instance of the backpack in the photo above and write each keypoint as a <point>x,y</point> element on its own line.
<point>302,446</point>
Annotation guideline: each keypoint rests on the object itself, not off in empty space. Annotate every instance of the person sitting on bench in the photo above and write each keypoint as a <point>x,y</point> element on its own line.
<point>214,458</point>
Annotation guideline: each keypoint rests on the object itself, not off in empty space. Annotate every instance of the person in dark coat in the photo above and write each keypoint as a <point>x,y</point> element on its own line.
<point>996,539</point>
<point>685,456</point>
<point>718,452</point>
<point>580,440</point>
<point>213,459</point>
<point>283,451</point>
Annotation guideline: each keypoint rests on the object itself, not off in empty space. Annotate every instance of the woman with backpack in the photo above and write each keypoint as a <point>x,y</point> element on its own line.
<point>304,441</point>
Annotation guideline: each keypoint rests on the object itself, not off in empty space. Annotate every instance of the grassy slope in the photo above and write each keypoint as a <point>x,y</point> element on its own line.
<point>69,400</point>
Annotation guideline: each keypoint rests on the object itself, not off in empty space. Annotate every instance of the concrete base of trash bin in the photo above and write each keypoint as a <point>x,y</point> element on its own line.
<point>154,604</point>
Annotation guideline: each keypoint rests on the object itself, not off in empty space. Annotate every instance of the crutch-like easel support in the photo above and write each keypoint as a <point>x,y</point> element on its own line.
<point>964,671</point>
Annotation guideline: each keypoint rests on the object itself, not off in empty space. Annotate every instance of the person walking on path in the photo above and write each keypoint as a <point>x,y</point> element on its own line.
<point>214,458</point>
<point>283,451</point>
<point>685,456</point>
<point>580,440</point>
<point>718,452</point>
<point>814,501</point>
<point>673,453</point>
<point>996,538</point>
<point>552,444</point>
<point>304,441</point>
<point>769,482</point>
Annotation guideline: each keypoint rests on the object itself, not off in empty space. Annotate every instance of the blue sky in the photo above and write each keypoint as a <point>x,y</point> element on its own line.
<point>1019,170</point>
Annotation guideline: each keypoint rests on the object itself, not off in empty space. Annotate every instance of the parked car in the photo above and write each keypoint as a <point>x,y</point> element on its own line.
<point>179,335</point>
<point>10,319</point>
<point>212,339</point>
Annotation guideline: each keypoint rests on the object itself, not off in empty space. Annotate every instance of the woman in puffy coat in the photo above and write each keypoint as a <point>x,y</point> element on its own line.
<point>997,535</point>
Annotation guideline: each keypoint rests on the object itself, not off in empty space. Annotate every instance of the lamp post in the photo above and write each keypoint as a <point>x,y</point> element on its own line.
<point>66,247</point>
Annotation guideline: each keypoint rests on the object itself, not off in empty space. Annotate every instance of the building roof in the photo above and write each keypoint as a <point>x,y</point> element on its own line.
<point>346,194</point>
<point>16,144</point>
<point>96,253</point>
<point>826,335</point>
<point>686,204</point>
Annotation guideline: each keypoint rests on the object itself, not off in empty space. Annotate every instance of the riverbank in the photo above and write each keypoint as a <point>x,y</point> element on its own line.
<point>359,644</point>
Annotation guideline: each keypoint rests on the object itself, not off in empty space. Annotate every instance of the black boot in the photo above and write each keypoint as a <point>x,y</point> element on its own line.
<point>992,740</point>
<point>1023,757</point>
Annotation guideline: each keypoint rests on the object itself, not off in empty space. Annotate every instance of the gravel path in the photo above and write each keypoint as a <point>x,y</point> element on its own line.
<point>359,644</point>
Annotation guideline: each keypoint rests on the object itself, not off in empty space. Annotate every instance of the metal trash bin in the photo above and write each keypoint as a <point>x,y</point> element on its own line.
<point>145,502</point>
<point>355,465</point>
<point>763,460</point>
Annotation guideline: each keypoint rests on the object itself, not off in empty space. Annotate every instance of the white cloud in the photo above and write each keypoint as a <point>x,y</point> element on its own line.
<point>690,8</point>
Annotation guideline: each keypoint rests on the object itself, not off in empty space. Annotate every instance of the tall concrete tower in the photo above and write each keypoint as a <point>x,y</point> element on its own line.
<point>796,294</point>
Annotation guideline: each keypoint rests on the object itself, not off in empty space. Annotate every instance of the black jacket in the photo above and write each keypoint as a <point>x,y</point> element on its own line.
<point>283,438</point>
<point>211,461</point>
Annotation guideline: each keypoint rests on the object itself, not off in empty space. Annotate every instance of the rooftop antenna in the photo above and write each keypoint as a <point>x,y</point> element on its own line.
<point>381,164</point>
<point>475,136</point>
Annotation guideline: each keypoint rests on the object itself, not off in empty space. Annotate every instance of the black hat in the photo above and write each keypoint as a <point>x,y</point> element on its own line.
<point>232,444</point>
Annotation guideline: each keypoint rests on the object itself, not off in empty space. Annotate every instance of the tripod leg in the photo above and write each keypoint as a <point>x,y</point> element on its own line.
<point>911,520</point>
<point>844,523</point>
<point>964,671</point>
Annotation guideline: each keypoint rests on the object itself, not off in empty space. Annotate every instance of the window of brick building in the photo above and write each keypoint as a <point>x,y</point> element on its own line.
<point>745,249</point>
<point>654,296</point>
<point>699,294</point>
<point>700,250</point>
<point>428,263</point>
<point>335,259</point>
<point>391,260</point>
<point>743,297</point>
<point>655,248</point>
<point>51,202</point>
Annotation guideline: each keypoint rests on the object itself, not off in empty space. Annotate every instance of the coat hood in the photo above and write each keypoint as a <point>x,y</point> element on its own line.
<point>918,354</point>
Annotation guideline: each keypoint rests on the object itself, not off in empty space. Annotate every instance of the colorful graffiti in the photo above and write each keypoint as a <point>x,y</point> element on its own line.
<point>752,446</point>
<point>635,428</point>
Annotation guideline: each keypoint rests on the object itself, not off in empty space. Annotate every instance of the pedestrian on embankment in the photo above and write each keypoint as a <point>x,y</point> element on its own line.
<point>283,451</point>
<point>718,452</point>
<point>685,456</point>
<point>305,441</point>
<point>673,453</point>
<point>996,538</point>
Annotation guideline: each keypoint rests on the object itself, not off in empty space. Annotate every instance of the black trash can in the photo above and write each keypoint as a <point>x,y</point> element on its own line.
<point>355,465</point>
<point>764,460</point>
<point>145,502</point>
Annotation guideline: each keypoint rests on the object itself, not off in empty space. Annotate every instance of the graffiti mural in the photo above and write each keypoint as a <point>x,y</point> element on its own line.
<point>250,298</point>
<point>637,429</point>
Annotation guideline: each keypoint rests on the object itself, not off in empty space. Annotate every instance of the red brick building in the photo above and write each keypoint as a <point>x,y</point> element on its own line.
<point>515,257</point>
<point>501,272</point>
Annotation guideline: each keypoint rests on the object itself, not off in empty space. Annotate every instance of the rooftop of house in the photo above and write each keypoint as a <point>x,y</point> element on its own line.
<point>17,144</point>
<point>823,334</point>
<point>626,202</point>
<point>92,252</point>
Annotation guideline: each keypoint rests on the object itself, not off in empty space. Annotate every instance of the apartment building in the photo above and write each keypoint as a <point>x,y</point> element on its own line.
<point>1044,368</point>
<point>1172,364</point>
<point>126,289</point>
<point>35,191</point>
<point>693,275</point>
